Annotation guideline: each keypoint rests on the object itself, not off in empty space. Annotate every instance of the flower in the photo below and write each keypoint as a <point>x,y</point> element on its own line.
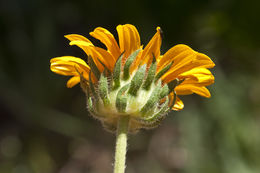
<point>127,79</point>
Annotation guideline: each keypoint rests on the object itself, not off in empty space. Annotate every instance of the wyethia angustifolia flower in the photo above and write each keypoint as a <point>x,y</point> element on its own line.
<point>127,80</point>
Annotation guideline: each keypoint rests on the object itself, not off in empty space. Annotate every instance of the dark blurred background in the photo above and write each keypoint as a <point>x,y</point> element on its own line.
<point>45,127</point>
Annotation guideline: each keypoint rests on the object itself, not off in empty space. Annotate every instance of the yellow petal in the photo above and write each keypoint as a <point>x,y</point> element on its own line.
<point>159,58</point>
<point>201,76</point>
<point>69,66</point>
<point>70,60</point>
<point>180,67</point>
<point>108,39</point>
<point>73,81</point>
<point>63,68</point>
<point>186,61</point>
<point>178,105</point>
<point>76,37</point>
<point>203,60</point>
<point>129,39</point>
<point>83,45</point>
<point>185,89</point>
<point>151,49</point>
<point>196,71</point>
<point>97,54</point>
<point>86,47</point>
<point>105,57</point>
<point>200,81</point>
<point>172,55</point>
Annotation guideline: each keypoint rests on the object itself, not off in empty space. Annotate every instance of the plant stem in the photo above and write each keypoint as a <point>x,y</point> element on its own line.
<point>121,144</point>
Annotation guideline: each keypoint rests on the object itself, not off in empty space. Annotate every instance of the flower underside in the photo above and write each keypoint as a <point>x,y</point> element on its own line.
<point>127,80</point>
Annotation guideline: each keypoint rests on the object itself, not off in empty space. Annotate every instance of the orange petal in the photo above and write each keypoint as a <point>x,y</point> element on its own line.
<point>73,81</point>
<point>129,39</point>
<point>172,55</point>
<point>63,68</point>
<point>83,45</point>
<point>97,54</point>
<point>200,76</point>
<point>186,61</point>
<point>153,47</point>
<point>69,66</point>
<point>196,71</point>
<point>76,37</point>
<point>203,60</point>
<point>200,81</point>
<point>71,60</point>
<point>178,105</point>
<point>179,67</point>
<point>108,39</point>
<point>185,89</point>
<point>104,56</point>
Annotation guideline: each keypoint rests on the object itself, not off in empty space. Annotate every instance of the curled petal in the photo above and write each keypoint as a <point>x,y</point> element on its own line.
<point>172,55</point>
<point>83,45</point>
<point>185,89</point>
<point>203,60</point>
<point>108,39</point>
<point>129,39</point>
<point>63,68</point>
<point>185,61</point>
<point>70,60</point>
<point>105,57</point>
<point>178,105</point>
<point>153,47</point>
<point>200,81</point>
<point>98,54</point>
<point>76,37</point>
<point>200,76</point>
<point>195,71</point>
<point>150,50</point>
<point>73,81</point>
<point>70,66</point>
<point>66,65</point>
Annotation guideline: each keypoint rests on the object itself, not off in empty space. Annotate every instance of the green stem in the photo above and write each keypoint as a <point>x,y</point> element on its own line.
<point>121,144</point>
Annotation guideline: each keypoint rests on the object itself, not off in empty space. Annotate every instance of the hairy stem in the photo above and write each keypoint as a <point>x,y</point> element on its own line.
<point>121,144</point>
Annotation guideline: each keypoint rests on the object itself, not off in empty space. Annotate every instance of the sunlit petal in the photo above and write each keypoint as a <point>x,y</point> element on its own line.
<point>73,81</point>
<point>108,39</point>
<point>178,105</point>
<point>98,54</point>
<point>129,39</point>
<point>186,89</point>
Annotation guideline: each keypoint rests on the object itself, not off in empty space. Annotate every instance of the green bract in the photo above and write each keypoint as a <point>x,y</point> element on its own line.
<point>139,95</point>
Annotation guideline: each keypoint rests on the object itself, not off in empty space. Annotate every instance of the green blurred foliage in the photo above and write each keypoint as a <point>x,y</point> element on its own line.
<point>45,128</point>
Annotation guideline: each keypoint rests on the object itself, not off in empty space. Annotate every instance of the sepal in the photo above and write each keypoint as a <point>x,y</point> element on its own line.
<point>93,67</point>
<point>121,99</point>
<point>162,72</point>
<point>117,72</point>
<point>150,75</point>
<point>152,101</point>
<point>128,63</point>
<point>137,81</point>
<point>155,119</point>
<point>103,90</point>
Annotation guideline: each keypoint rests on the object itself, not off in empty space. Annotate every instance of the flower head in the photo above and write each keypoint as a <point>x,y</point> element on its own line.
<point>129,80</point>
